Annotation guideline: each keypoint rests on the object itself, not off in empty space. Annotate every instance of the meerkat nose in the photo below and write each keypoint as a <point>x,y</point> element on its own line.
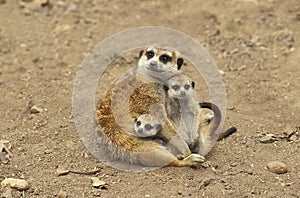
<point>153,64</point>
<point>140,130</point>
<point>182,93</point>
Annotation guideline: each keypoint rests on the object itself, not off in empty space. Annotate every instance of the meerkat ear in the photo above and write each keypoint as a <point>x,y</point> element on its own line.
<point>193,84</point>
<point>166,88</point>
<point>141,53</point>
<point>179,63</point>
<point>135,119</point>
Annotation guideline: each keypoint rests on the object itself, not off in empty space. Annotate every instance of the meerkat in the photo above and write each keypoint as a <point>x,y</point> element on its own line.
<point>141,92</point>
<point>183,107</point>
<point>158,66</point>
<point>197,124</point>
<point>147,125</point>
<point>209,121</point>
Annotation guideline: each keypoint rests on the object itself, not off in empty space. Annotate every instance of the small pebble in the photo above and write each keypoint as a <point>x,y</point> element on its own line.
<point>233,164</point>
<point>97,183</point>
<point>250,142</point>
<point>277,167</point>
<point>250,171</point>
<point>205,183</point>
<point>72,8</point>
<point>18,184</point>
<point>61,171</point>
<point>35,109</point>
<point>61,4</point>
<point>62,194</point>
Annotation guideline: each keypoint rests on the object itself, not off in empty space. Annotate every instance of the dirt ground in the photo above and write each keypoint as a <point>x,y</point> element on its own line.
<point>254,43</point>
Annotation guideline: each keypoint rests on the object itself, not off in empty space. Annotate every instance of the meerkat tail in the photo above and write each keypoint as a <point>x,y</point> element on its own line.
<point>227,133</point>
<point>207,135</point>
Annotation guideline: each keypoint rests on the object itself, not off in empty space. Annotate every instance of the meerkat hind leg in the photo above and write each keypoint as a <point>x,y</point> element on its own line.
<point>162,157</point>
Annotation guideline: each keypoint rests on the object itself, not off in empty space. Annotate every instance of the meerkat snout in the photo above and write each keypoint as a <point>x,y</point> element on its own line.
<point>153,64</point>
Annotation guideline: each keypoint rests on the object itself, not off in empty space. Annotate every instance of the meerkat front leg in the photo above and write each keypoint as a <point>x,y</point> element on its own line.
<point>176,143</point>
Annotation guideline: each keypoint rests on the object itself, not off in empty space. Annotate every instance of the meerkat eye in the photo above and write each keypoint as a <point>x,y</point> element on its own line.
<point>176,87</point>
<point>186,87</point>
<point>149,54</point>
<point>148,127</point>
<point>138,123</point>
<point>165,58</point>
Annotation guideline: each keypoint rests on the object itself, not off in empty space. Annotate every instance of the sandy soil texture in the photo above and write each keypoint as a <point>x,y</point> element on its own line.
<point>254,43</point>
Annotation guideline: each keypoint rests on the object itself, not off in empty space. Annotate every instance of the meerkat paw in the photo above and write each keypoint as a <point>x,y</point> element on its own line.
<point>194,159</point>
<point>191,161</point>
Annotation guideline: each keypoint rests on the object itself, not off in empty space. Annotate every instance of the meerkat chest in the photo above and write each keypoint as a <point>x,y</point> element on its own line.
<point>144,96</point>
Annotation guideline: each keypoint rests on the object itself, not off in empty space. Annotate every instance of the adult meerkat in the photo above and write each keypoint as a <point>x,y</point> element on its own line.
<point>141,92</point>
<point>183,107</point>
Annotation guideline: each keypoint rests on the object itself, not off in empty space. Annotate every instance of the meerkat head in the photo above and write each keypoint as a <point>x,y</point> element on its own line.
<point>180,86</point>
<point>146,126</point>
<point>160,63</point>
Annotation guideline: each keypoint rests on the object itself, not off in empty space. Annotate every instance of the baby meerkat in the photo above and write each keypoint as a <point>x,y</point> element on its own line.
<point>147,126</point>
<point>183,107</point>
<point>134,96</point>
<point>197,121</point>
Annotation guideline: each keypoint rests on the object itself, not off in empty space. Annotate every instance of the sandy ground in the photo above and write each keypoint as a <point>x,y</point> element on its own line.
<point>255,43</point>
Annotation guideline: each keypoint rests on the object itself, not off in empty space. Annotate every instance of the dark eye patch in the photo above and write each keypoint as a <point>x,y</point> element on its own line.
<point>150,54</point>
<point>186,87</point>
<point>138,123</point>
<point>175,87</point>
<point>148,127</point>
<point>165,58</point>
